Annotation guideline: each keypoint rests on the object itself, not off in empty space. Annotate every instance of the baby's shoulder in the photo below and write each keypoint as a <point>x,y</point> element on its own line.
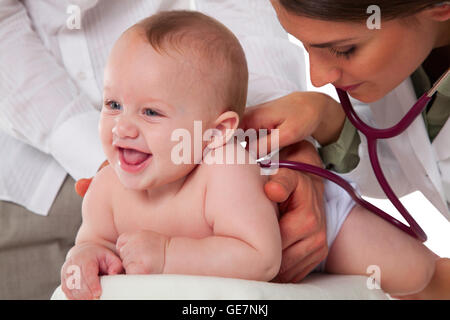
<point>104,182</point>
<point>232,163</point>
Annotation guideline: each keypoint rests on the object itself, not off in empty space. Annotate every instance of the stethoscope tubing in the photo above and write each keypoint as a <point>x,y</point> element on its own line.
<point>303,167</point>
<point>372,135</point>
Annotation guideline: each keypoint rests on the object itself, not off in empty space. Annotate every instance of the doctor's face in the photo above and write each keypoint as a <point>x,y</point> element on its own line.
<point>367,63</point>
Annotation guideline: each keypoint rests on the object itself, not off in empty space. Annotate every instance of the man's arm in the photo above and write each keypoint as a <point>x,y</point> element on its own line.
<point>40,104</point>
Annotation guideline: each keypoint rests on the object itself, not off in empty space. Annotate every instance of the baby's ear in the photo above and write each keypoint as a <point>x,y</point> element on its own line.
<point>224,129</point>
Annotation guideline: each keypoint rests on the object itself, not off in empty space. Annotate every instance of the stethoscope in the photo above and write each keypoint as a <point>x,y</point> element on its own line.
<point>372,135</point>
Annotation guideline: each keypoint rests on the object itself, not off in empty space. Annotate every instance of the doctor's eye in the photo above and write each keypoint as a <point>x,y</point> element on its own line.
<point>113,105</point>
<point>345,52</point>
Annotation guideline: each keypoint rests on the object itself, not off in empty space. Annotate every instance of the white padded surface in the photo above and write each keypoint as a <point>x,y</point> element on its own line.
<point>182,287</point>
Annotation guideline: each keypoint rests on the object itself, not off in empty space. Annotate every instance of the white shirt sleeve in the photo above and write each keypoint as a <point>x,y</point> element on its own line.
<point>40,104</point>
<point>276,66</point>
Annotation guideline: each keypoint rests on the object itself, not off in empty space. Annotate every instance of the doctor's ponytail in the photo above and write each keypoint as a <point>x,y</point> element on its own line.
<point>355,10</point>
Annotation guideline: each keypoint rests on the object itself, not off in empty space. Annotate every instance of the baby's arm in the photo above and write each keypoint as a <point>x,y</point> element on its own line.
<point>246,242</point>
<point>93,253</point>
<point>98,222</point>
<point>405,264</point>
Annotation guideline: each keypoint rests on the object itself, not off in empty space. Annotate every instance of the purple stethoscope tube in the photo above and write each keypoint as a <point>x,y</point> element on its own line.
<point>372,135</point>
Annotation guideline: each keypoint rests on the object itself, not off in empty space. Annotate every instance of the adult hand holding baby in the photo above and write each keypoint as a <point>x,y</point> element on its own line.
<point>302,222</point>
<point>297,116</point>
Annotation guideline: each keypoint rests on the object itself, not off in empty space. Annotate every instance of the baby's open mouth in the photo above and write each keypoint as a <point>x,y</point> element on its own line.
<point>133,157</point>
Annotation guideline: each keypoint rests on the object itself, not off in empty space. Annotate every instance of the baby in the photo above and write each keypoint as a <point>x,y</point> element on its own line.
<point>146,214</point>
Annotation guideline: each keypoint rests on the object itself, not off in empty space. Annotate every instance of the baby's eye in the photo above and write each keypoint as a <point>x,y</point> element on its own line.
<point>113,105</point>
<point>151,113</point>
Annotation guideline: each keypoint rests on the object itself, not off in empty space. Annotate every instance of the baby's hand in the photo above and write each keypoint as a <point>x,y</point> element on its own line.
<point>142,252</point>
<point>80,273</point>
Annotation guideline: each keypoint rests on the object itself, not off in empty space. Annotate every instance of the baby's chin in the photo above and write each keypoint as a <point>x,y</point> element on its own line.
<point>131,181</point>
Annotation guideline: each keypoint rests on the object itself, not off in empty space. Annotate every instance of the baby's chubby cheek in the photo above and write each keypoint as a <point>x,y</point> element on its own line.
<point>105,134</point>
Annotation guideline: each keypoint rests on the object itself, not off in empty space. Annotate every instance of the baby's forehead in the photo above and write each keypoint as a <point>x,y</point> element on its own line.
<point>197,61</point>
<point>188,58</point>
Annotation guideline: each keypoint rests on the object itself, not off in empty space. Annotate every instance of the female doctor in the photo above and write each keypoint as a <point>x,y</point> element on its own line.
<point>388,68</point>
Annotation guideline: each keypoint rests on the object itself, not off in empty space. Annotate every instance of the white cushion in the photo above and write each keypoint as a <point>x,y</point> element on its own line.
<point>183,287</point>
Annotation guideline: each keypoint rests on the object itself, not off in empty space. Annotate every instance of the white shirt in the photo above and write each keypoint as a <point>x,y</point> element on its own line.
<point>51,79</point>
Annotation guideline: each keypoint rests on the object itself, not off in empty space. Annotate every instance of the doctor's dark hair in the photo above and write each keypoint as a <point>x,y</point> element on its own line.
<point>355,10</point>
<point>207,45</point>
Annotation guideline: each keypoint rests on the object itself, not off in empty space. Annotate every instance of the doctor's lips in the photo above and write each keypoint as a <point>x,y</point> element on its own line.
<point>349,88</point>
<point>133,160</point>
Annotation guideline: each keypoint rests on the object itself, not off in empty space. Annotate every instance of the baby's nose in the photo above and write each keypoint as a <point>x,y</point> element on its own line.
<point>125,128</point>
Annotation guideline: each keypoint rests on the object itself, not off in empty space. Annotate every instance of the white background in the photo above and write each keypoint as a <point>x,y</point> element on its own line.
<point>430,220</point>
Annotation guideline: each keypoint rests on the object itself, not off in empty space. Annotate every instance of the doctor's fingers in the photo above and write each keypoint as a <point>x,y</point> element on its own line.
<point>302,268</point>
<point>261,116</point>
<point>276,134</point>
<point>303,214</point>
<point>281,185</point>
<point>303,250</point>
<point>286,181</point>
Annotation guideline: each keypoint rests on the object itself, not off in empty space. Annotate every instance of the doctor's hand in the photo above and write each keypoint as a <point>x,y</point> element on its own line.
<point>82,185</point>
<point>302,214</point>
<point>297,116</point>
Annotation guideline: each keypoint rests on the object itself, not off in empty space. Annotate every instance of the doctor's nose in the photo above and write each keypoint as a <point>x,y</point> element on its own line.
<point>125,128</point>
<point>322,73</point>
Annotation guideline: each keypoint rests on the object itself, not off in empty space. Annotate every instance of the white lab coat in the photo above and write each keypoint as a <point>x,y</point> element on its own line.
<point>409,161</point>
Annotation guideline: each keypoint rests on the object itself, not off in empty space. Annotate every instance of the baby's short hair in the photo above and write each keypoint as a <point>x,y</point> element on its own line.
<point>215,44</point>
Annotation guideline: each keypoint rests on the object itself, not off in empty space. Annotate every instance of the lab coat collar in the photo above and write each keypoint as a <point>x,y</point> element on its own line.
<point>441,143</point>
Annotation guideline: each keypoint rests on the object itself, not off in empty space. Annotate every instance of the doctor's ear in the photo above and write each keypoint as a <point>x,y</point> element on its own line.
<point>224,128</point>
<point>439,12</point>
